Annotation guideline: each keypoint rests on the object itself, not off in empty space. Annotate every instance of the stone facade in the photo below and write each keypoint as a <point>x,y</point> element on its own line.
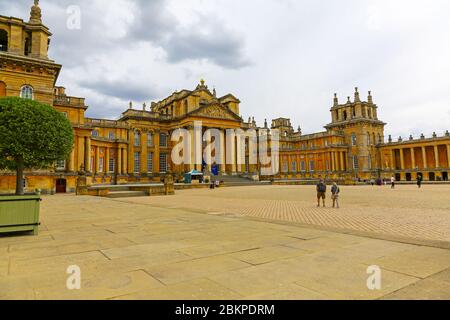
<point>137,148</point>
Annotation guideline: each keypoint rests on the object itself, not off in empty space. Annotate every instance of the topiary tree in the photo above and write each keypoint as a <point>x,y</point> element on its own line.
<point>33,135</point>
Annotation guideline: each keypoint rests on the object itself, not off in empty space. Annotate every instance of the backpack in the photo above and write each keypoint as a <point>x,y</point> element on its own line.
<point>322,187</point>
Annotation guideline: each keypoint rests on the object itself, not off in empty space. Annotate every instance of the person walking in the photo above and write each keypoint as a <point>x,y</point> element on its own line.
<point>392,182</point>
<point>321,192</point>
<point>419,180</point>
<point>335,191</point>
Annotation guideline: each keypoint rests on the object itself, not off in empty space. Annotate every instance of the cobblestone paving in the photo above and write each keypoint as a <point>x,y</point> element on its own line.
<point>406,211</point>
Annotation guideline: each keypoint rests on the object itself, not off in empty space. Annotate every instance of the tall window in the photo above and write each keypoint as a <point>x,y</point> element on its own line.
<point>3,40</point>
<point>150,162</point>
<point>163,163</point>
<point>150,139</point>
<point>285,166</point>
<point>370,162</point>
<point>163,140</point>
<point>294,166</point>
<point>112,165</point>
<point>137,162</point>
<point>303,166</point>
<point>311,166</point>
<point>101,164</point>
<point>26,92</point>
<point>354,139</point>
<point>112,136</point>
<point>137,138</point>
<point>95,134</point>
<point>355,163</point>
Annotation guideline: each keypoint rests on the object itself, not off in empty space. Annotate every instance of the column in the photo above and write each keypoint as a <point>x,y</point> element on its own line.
<point>402,160</point>
<point>119,161</point>
<point>333,169</point>
<point>107,156</point>
<point>97,159</point>
<point>144,152</point>
<point>80,152</point>
<point>336,161</point>
<point>156,168</point>
<point>392,165</point>
<point>424,157</point>
<point>448,155</point>
<point>342,161</point>
<point>130,167</point>
<point>124,161</point>
<point>436,156</point>
<point>222,152</point>
<point>72,160</point>
<point>413,159</point>
<point>87,152</point>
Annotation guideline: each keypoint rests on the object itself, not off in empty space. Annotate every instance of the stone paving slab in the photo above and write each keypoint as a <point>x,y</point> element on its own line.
<point>132,249</point>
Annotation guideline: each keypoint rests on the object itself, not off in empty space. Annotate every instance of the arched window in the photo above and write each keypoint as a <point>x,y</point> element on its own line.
<point>345,115</point>
<point>137,138</point>
<point>27,92</point>
<point>2,89</point>
<point>3,40</point>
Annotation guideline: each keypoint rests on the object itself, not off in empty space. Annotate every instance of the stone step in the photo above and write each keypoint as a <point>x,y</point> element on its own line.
<point>126,194</point>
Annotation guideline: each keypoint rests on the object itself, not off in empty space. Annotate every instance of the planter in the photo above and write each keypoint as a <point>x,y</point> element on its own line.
<point>19,213</point>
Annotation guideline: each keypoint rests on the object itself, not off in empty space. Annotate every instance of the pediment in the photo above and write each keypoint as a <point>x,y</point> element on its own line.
<point>216,111</point>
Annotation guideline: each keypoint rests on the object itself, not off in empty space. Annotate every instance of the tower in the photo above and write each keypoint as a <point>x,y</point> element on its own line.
<point>26,70</point>
<point>363,131</point>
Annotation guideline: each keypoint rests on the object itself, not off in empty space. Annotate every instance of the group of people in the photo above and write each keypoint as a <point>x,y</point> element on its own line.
<point>419,180</point>
<point>322,193</point>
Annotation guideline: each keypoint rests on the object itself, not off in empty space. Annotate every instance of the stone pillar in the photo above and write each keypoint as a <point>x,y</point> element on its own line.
<point>130,168</point>
<point>87,153</point>
<point>402,160</point>
<point>332,161</point>
<point>80,152</point>
<point>392,165</point>
<point>448,155</point>
<point>119,161</point>
<point>124,161</point>
<point>424,157</point>
<point>413,159</point>
<point>436,156</point>
<point>156,168</point>
<point>107,156</point>
<point>97,159</point>
<point>223,158</point>
<point>144,152</point>
<point>342,161</point>
<point>72,160</point>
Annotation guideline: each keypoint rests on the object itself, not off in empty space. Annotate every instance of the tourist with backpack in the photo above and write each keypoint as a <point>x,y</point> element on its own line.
<point>335,191</point>
<point>321,192</point>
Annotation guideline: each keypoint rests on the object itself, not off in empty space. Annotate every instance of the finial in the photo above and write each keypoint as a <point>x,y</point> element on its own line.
<point>35,14</point>
<point>299,129</point>
<point>422,136</point>
<point>390,139</point>
<point>265,124</point>
<point>144,107</point>
<point>370,99</point>
<point>434,135</point>
<point>336,100</point>
<point>348,100</point>
<point>400,139</point>
<point>447,134</point>
<point>214,92</point>
<point>357,99</point>
<point>131,104</point>
<point>202,82</point>
<point>411,138</point>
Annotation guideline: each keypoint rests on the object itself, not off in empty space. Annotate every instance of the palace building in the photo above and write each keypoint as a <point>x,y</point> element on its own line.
<point>137,148</point>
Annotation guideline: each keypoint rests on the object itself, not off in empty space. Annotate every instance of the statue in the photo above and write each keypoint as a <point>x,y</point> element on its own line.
<point>36,14</point>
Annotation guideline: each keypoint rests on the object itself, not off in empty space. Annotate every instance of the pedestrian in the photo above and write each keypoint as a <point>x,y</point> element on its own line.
<point>392,182</point>
<point>372,182</point>
<point>419,180</point>
<point>321,192</point>
<point>335,192</point>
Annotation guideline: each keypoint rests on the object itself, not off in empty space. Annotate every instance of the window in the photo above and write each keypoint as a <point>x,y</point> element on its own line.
<point>137,162</point>
<point>163,140</point>
<point>100,164</point>
<point>26,92</point>
<point>285,166</point>
<point>163,163</point>
<point>294,166</point>
<point>150,139</point>
<point>112,136</point>
<point>311,166</point>
<point>354,139</point>
<point>355,163</point>
<point>3,40</point>
<point>150,162</point>
<point>60,165</point>
<point>95,134</point>
<point>302,166</point>
<point>370,162</point>
<point>137,138</point>
<point>112,165</point>
<point>368,139</point>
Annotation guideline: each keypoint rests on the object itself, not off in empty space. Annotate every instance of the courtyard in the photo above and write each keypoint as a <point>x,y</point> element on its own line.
<point>262,242</point>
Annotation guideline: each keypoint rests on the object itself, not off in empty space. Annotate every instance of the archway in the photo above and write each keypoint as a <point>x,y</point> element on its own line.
<point>61,186</point>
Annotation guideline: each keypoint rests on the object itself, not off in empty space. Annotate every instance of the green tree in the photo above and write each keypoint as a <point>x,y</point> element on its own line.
<point>32,136</point>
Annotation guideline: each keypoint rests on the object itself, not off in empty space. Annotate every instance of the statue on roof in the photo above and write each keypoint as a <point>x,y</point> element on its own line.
<point>36,14</point>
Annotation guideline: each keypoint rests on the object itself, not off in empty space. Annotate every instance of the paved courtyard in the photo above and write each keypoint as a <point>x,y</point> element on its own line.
<point>236,243</point>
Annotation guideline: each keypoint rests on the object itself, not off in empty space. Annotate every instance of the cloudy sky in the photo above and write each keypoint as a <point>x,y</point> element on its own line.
<point>282,58</point>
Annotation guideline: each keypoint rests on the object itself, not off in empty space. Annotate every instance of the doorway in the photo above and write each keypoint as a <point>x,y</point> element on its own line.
<point>408,176</point>
<point>431,176</point>
<point>444,176</point>
<point>61,186</point>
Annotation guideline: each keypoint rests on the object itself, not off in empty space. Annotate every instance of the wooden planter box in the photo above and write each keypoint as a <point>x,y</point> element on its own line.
<point>19,213</point>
